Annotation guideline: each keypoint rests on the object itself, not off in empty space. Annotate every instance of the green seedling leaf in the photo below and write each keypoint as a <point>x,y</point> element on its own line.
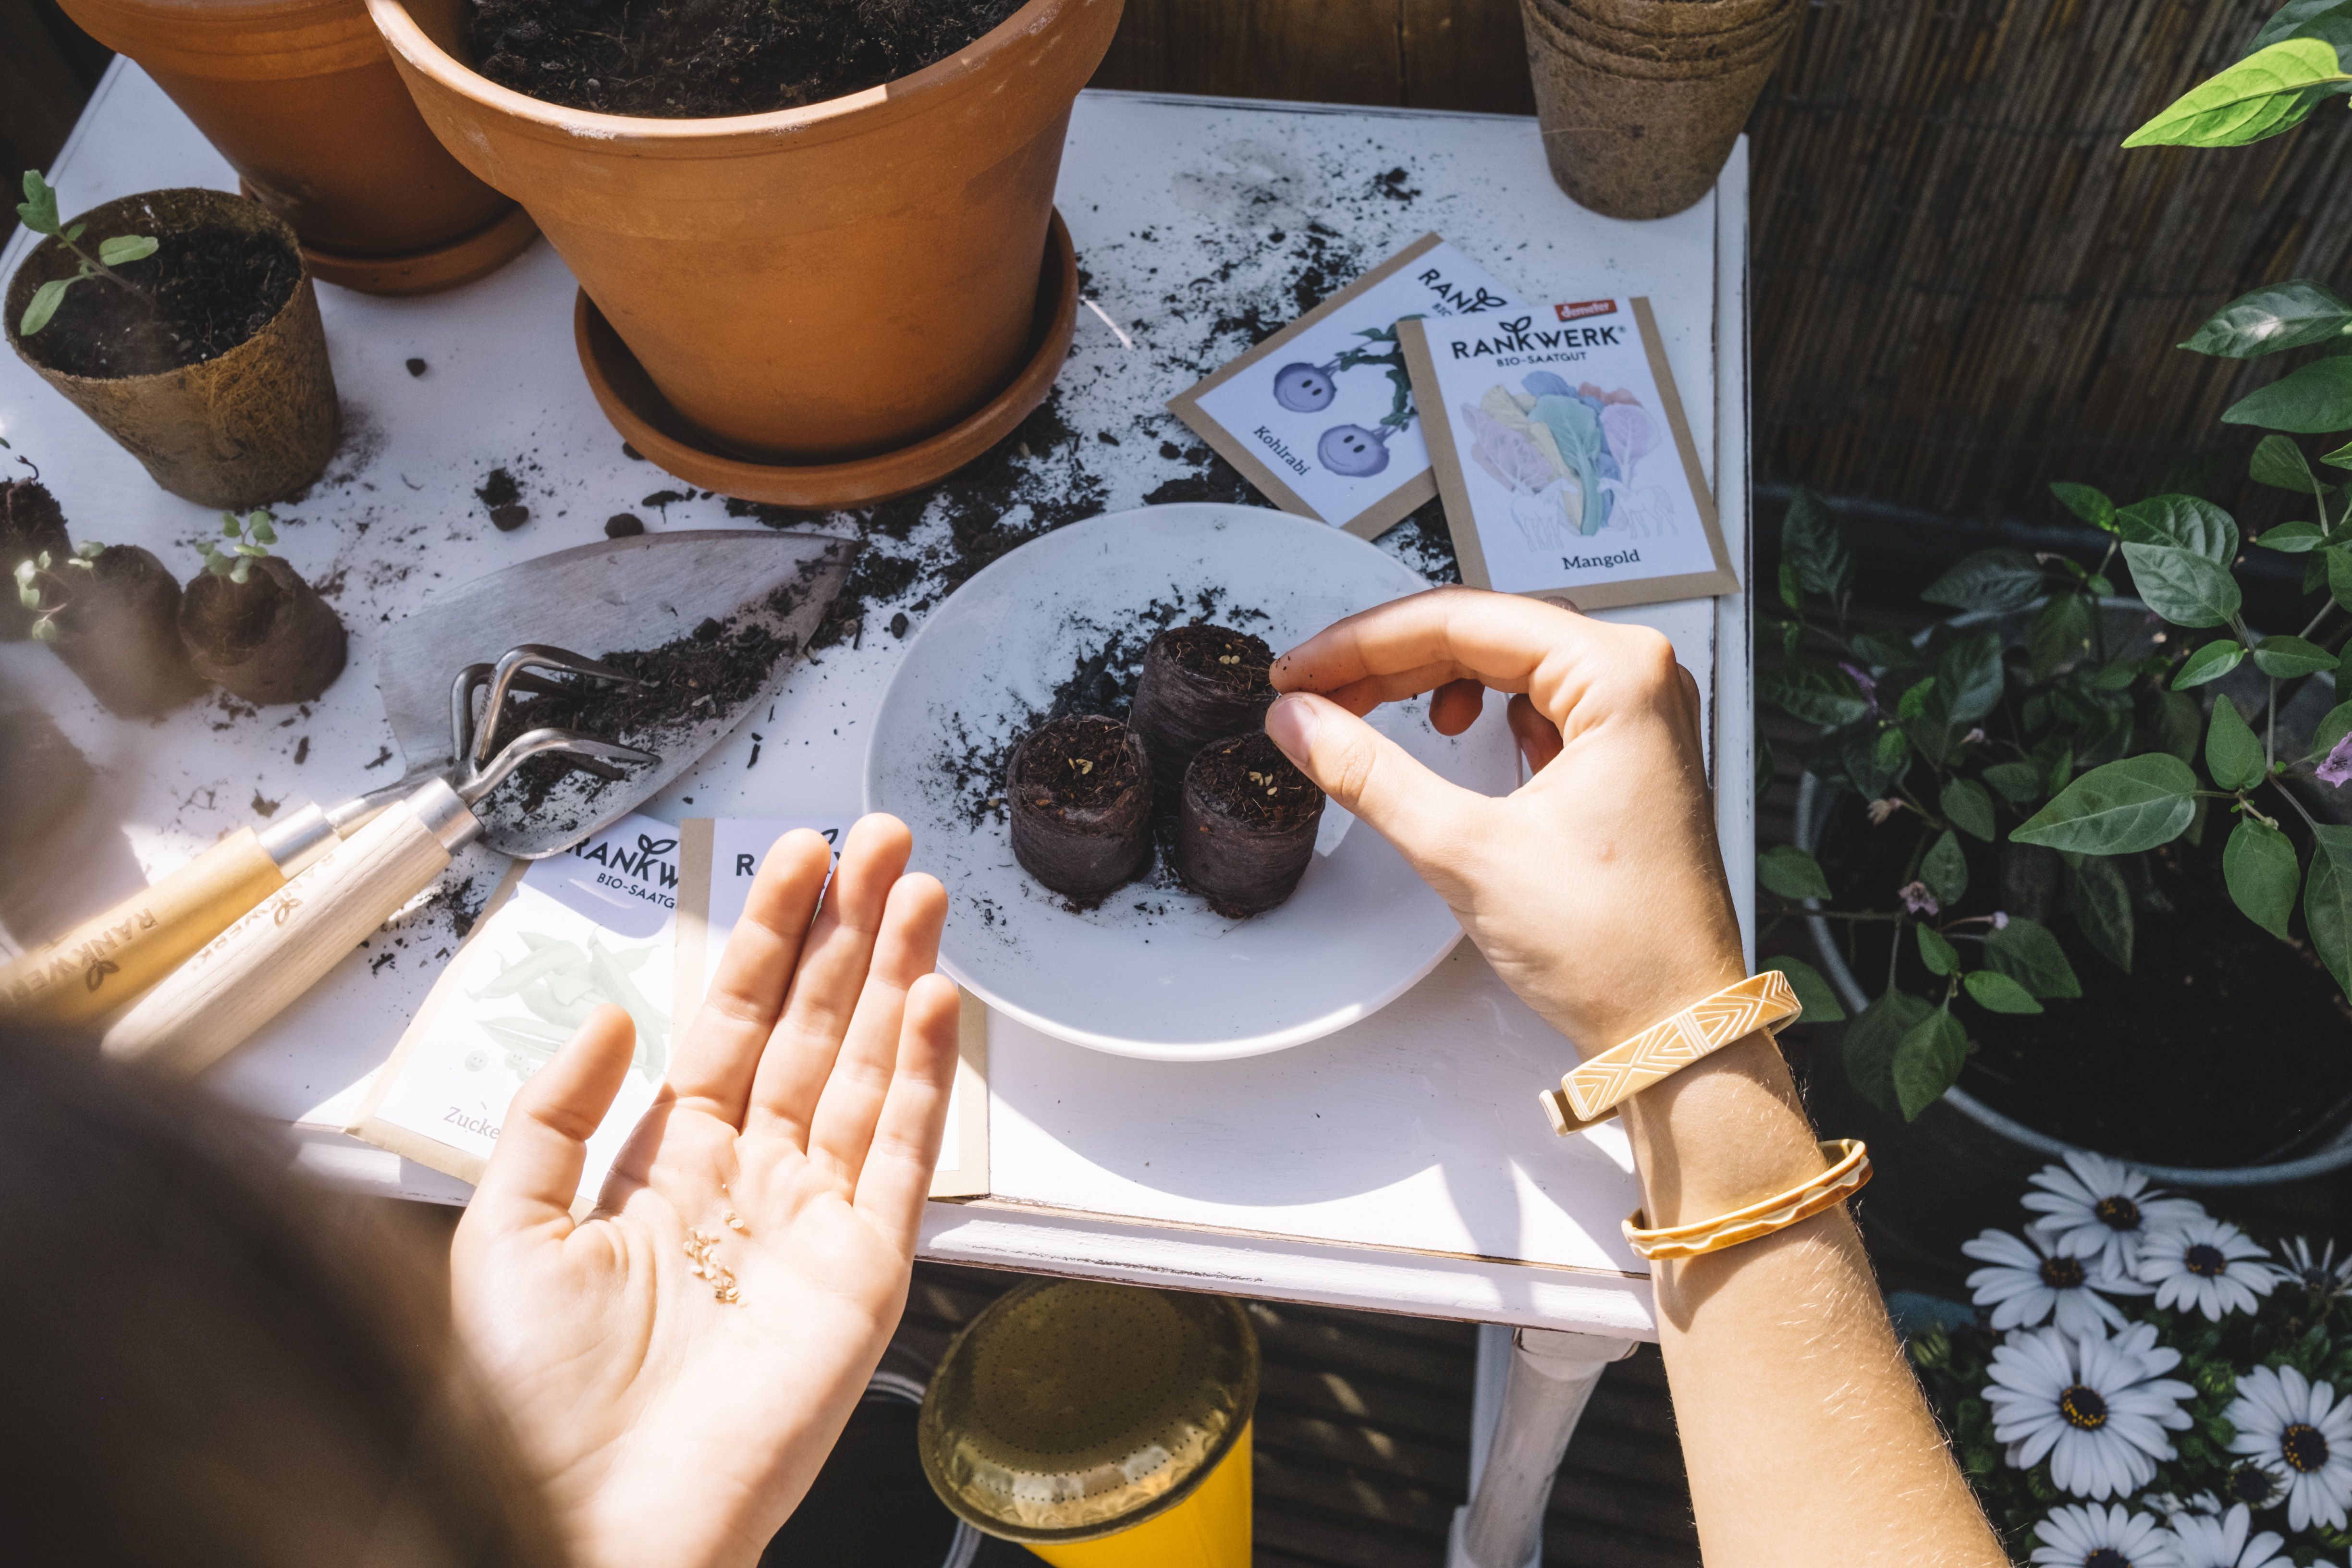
<point>1945,869</point>
<point>39,210</point>
<point>2259,866</point>
<point>1792,873</point>
<point>2188,521</point>
<point>2211,662</point>
<point>1937,953</point>
<point>1998,992</point>
<point>2233,753</point>
<point>2117,809</point>
<point>44,305</point>
<point>2183,587</point>
<point>2018,782</point>
<point>2102,906</point>
<point>1818,696</point>
<point>250,550</point>
<point>1871,1041</point>
<point>2328,900</point>
<point>75,233</point>
<point>125,247</point>
<point>1997,580</point>
<point>240,573</point>
<point>2287,656</point>
<point>228,525</point>
<point>2290,315</point>
<point>2314,399</point>
<point>1815,994</point>
<point>2092,506</point>
<point>2261,95</point>
<point>2061,632</point>
<point>1927,1061</point>
<point>1812,542</point>
<point>261,530</point>
<point>1969,807</point>
<point>2291,538</point>
<point>2028,953</point>
<point>45,631</point>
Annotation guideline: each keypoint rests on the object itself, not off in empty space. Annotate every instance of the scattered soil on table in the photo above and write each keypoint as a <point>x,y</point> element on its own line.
<point>502,493</point>
<point>624,525</point>
<point>674,60</point>
<point>2207,988</point>
<point>202,293</point>
<point>1253,783</point>
<point>418,367</point>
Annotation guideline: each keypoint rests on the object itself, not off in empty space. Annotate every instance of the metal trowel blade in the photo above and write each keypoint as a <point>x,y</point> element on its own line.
<point>617,596</point>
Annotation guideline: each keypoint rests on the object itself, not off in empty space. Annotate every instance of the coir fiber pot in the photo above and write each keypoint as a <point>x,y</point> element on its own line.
<point>809,286</point>
<point>1572,18</point>
<point>241,429</point>
<point>270,639</point>
<point>1677,19</point>
<point>1633,139</point>
<point>301,98</point>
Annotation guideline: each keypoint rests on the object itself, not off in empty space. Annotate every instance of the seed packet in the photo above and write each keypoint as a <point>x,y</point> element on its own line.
<point>1320,417</point>
<point>1561,448</point>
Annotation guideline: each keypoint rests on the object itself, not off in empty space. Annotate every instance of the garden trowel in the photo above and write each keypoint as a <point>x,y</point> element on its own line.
<point>448,673</point>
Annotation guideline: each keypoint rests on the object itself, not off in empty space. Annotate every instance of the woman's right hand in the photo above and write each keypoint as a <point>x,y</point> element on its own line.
<point>1596,889</point>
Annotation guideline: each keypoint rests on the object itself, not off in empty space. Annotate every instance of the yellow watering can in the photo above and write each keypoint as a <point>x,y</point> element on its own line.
<point>1099,1425</point>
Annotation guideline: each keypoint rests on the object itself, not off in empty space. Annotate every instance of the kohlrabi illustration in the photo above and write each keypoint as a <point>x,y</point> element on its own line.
<point>1351,451</point>
<point>1305,388</point>
<point>1354,452</point>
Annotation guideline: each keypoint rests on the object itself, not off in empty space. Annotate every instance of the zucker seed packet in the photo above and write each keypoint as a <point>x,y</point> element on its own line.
<point>1560,449</point>
<point>1320,417</point>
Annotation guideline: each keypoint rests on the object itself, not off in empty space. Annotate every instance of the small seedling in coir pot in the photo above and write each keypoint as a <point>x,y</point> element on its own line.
<point>39,212</point>
<point>251,622</point>
<point>31,522</point>
<point>112,613</point>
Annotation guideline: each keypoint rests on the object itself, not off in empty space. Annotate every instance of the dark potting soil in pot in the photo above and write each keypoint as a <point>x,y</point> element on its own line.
<point>31,522</point>
<point>692,59</point>
<point>203,292</point>
<point>120,634</point>
<point>270,639</point>
<point>2210,993</point>
<point>1248,826</point>
<point>1081,805</point>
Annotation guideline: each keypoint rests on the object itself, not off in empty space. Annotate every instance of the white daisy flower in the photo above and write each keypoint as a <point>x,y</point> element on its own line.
<point>2296,1428</point>
<point>2077,1535</point>
<point>2320,1274</point>
<point>2106,1208</point>
<point>2096,1407</point>
<point>2207,1264</point>
<point>2028,1283</point>
<point>2208,1541</point>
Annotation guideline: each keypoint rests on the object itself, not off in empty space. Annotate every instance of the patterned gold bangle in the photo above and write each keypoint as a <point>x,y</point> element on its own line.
<point>1592,1093</point>
<point>1848,1173</point>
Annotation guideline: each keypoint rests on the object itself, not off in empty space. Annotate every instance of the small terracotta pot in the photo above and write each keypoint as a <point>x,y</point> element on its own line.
<point>270,639</point>
<point>121,635</point>
<point>301,99</point>
<point>812,285</point>
<point>1630,139</point>
<point>241,429</point>
<point>31,522</point>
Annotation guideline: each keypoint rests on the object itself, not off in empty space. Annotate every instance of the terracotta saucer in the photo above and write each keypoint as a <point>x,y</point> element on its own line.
<point>461,260</point>
<point>644,417</point>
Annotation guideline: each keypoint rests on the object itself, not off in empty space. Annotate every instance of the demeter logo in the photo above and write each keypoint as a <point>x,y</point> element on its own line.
<point>1584,308</point>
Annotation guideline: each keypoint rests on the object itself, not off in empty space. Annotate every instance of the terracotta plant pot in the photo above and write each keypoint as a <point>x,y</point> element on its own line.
<point>270,639</point>
<point>120,633</point>
<point>241,429</point>
<point>301,99</point>
<point>807,286</point>
<point>1633,139</point>
<point>31,522</point>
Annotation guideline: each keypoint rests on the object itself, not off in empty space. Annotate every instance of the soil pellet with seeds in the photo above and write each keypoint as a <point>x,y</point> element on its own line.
<point>1081,807</point>
<point>1247,830</point>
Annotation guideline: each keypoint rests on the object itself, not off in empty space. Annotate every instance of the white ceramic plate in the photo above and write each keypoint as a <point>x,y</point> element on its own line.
<point>1153,971</point>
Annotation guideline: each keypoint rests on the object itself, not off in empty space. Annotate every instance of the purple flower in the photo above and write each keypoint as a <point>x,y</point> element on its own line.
<point>1862,678</point>
<point>2337,767</point>
<point>2001,919</point>
<point>1918,899</point>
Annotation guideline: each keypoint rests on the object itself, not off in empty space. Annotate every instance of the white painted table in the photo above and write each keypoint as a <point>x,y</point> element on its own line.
<point>1398,1165</point>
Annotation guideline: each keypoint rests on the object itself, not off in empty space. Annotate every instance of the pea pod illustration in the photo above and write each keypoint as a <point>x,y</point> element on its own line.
<point>559,983</point>
<point>549,957</point>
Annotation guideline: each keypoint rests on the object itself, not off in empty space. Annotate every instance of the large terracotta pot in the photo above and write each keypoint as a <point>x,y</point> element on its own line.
<point>303,101</point>
<point>812,285</point>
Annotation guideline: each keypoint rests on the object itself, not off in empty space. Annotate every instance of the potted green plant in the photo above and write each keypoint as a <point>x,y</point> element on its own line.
<point>189,330</point>
<point>112,614</point>
<point>31,525</point>
<point>252,624</point>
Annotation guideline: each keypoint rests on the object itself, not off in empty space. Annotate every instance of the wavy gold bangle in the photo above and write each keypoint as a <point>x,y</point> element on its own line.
<point>1848,1173</point>
<point>1592,1093</point>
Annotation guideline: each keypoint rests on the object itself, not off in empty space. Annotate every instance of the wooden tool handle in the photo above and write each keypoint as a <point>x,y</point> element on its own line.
<point>246,975</point>
<point>109,959</point>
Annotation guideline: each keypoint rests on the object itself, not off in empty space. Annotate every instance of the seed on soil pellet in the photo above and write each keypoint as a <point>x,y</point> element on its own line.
<point>418,367</point>
<point>624,525</point>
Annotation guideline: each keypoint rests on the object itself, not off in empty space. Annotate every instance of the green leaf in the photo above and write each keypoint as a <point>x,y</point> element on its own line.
<point>262,531</point>
<point>125,247</point>
<point>2334,725</point>
<point>2017,781</point>
<point>2232,754</point>
<point>1815,994</point>
<point>2261,96</point>
<point>2174,722</point>
<point>1927,1061</point>
<point>2028,953</point>
<point>2211,662</point>
<point>2279,463</point>
<point>2327,901</point>
<point>1792,873</point>
<point>2182,586</point>
<point>1998,992</point>
<point>2191,523</point>
<point>39,210</point>
<point>2092,506</point>
<point>2101,901</point>
<point>1792,592</point>
<point>2287,656</point>
<point>1937,953</point>
<point>1968,805</point>
<point>1945,869</point>
<point>75,233</point>
<point>1997,580</point>
<point>2290,315</point>
<point>2132,805</point>
<point>1871,1041</point>
<point>1884,650</point>
<point>2339,574</point>
<point>2340,458</point>
<point>1811,542</point>
<point>1967,670</point>
<point>241,571</point>
<point>2260,867</point>
<point>2314,399</point>
<point>45,303</point>
<point>2113,676</point>
<point>1808,691</point>
<point>2061,632</point>
<point>2329,21</point>
<point>2291,538</point>
<point>228,525</point>
<point>1916,698</point>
